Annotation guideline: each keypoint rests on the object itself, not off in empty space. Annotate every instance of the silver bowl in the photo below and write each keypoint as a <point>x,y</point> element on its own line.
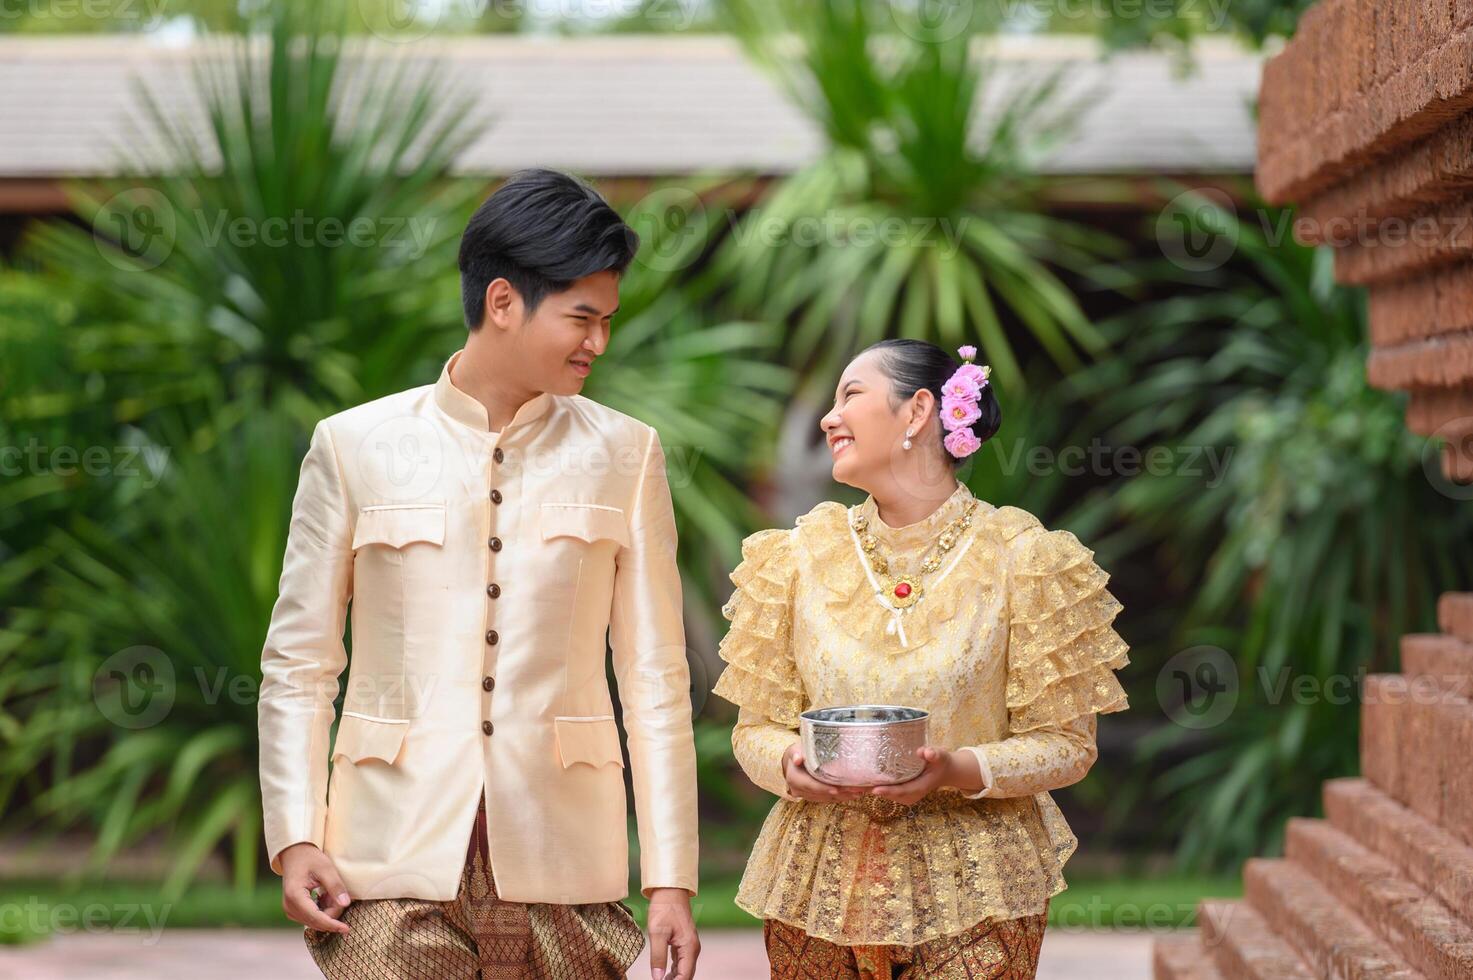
<point>863,744</point>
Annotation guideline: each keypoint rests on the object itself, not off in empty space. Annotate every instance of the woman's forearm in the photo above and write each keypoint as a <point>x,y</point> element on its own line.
<point>759,743</point>
<point>1044,759</point>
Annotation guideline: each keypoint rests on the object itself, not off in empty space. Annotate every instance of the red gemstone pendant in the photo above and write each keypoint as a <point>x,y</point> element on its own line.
<point>902,590</point>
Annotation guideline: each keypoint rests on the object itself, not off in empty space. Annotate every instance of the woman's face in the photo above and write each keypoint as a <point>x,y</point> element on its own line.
<point>864,434</point>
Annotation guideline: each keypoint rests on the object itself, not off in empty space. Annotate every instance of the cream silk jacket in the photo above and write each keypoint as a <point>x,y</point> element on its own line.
<point>485,570</point>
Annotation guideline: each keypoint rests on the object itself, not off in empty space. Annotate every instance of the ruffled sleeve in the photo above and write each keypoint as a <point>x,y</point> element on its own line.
<point>1063,650</point>
<point>761,673</point>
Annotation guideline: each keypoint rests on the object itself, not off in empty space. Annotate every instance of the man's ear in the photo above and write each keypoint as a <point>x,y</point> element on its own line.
<point>503,304</point>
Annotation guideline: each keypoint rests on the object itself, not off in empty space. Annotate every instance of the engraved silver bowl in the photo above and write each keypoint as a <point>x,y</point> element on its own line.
<point>863,744</point>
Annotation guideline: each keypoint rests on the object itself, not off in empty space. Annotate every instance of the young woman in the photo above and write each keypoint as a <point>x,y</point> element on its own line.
<point>923,596</point>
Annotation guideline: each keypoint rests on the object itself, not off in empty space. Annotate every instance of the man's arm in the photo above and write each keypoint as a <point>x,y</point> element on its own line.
<point>304,654</point>
<point>647,633</point>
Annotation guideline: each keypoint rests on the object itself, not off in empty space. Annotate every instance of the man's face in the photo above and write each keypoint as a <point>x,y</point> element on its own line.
<point>556,346</point>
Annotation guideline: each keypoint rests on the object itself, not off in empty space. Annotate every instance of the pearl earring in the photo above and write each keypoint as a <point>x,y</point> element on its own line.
<point>906,443</point>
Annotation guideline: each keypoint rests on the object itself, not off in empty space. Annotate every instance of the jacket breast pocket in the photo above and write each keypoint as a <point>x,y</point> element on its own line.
<point>361,738</point>
<point>589,739</point>
<point>397,526</point>
<point>589,523</point>
<point>580,543</point>
<point>400,602</point>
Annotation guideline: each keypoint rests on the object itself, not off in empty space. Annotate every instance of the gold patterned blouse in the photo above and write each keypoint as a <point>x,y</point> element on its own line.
<point>1010,648</point>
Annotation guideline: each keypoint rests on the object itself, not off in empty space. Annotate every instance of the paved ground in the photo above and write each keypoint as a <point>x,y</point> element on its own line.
<point>176,954</point>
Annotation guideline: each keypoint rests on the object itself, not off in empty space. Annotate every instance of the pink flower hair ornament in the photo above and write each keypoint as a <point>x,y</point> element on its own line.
<point>959,397</point>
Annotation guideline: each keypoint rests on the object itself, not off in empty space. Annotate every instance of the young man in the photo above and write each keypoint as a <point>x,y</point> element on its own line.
<point>491,529</point>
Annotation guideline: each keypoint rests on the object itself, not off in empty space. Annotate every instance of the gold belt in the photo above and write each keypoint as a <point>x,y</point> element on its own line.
<point>884,809</point>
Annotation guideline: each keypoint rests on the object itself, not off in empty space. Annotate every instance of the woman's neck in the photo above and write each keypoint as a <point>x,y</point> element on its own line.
<point>899,507</point>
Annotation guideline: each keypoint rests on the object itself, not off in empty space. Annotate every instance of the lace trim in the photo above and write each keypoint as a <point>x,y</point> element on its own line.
<point>1062,648</point>
<point>853,606</point>
<point>762,673</point>
<point>841,875</point>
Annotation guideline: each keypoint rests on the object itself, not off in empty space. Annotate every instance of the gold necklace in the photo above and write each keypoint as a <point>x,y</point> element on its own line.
<point>905,591</point>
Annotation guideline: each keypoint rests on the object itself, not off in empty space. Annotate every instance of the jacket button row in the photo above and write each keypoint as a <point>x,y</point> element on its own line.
<point>486,727</point>
<point>493,590</point>
<point>491,637</point>
<point>495,544</point>
<point>488,682</point>
<point>496,496</point>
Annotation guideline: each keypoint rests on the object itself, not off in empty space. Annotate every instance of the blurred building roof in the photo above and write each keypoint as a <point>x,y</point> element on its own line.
<point>623,105</point>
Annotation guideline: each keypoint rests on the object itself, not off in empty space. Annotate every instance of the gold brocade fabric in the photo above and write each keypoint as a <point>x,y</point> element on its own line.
<point>478,935</point>
<point>1006,949</point>
<point>1011,649</point>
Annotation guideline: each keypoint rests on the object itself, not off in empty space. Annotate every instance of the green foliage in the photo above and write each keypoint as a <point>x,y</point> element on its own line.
<point>920,218</point>
<point>1320,543</point>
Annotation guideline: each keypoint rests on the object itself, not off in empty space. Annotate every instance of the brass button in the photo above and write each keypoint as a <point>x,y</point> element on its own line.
<point>496,496</point>
<point>488,682</point>
<point>495,544</point>
<point>491,637</point>
<point>493,590</point>
<point>486,727</point>
<point>498,455</point>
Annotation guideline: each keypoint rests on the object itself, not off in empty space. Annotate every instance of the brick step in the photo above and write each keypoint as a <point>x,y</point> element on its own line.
<point>1431,857</point>
<point>1326,934</point>
<point>1428,936</point>
<point>1415,743</point>
<point>1182,957</point>
<point>1438,655</point>
<point>1243,947</point>
<point>1436,362</point>
<point>1455,614</point>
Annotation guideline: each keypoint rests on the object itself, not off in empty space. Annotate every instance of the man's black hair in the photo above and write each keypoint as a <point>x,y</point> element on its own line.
<point>541,231</point>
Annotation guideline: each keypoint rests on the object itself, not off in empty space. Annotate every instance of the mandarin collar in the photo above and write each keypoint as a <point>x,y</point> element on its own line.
<point>464,408</point>
<point>924,532</point>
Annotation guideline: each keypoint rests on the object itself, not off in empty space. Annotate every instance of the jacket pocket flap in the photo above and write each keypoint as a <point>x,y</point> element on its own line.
<point>361,737</point>
<point>398,524</point>
<point>587,521</point>
<point>593,739</point>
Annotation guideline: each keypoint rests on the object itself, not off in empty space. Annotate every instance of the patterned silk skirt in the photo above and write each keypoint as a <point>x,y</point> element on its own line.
<point>997,949</point>
<point>477,936</point>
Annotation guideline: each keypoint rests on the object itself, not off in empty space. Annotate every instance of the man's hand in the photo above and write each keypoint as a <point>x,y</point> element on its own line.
<point>671,926</point>
<point>305,867</point>
<point>803,785</point>
<point>940,770</point>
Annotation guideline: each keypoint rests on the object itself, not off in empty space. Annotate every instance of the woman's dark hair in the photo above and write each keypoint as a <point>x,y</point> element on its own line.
<point>541,230</point>
<point>915,364</point>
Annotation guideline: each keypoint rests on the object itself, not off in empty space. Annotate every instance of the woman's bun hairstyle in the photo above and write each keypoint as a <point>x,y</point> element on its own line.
<point>915,364</point>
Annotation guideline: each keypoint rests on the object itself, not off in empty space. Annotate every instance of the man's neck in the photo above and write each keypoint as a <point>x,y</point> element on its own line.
<point>500,400</point>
